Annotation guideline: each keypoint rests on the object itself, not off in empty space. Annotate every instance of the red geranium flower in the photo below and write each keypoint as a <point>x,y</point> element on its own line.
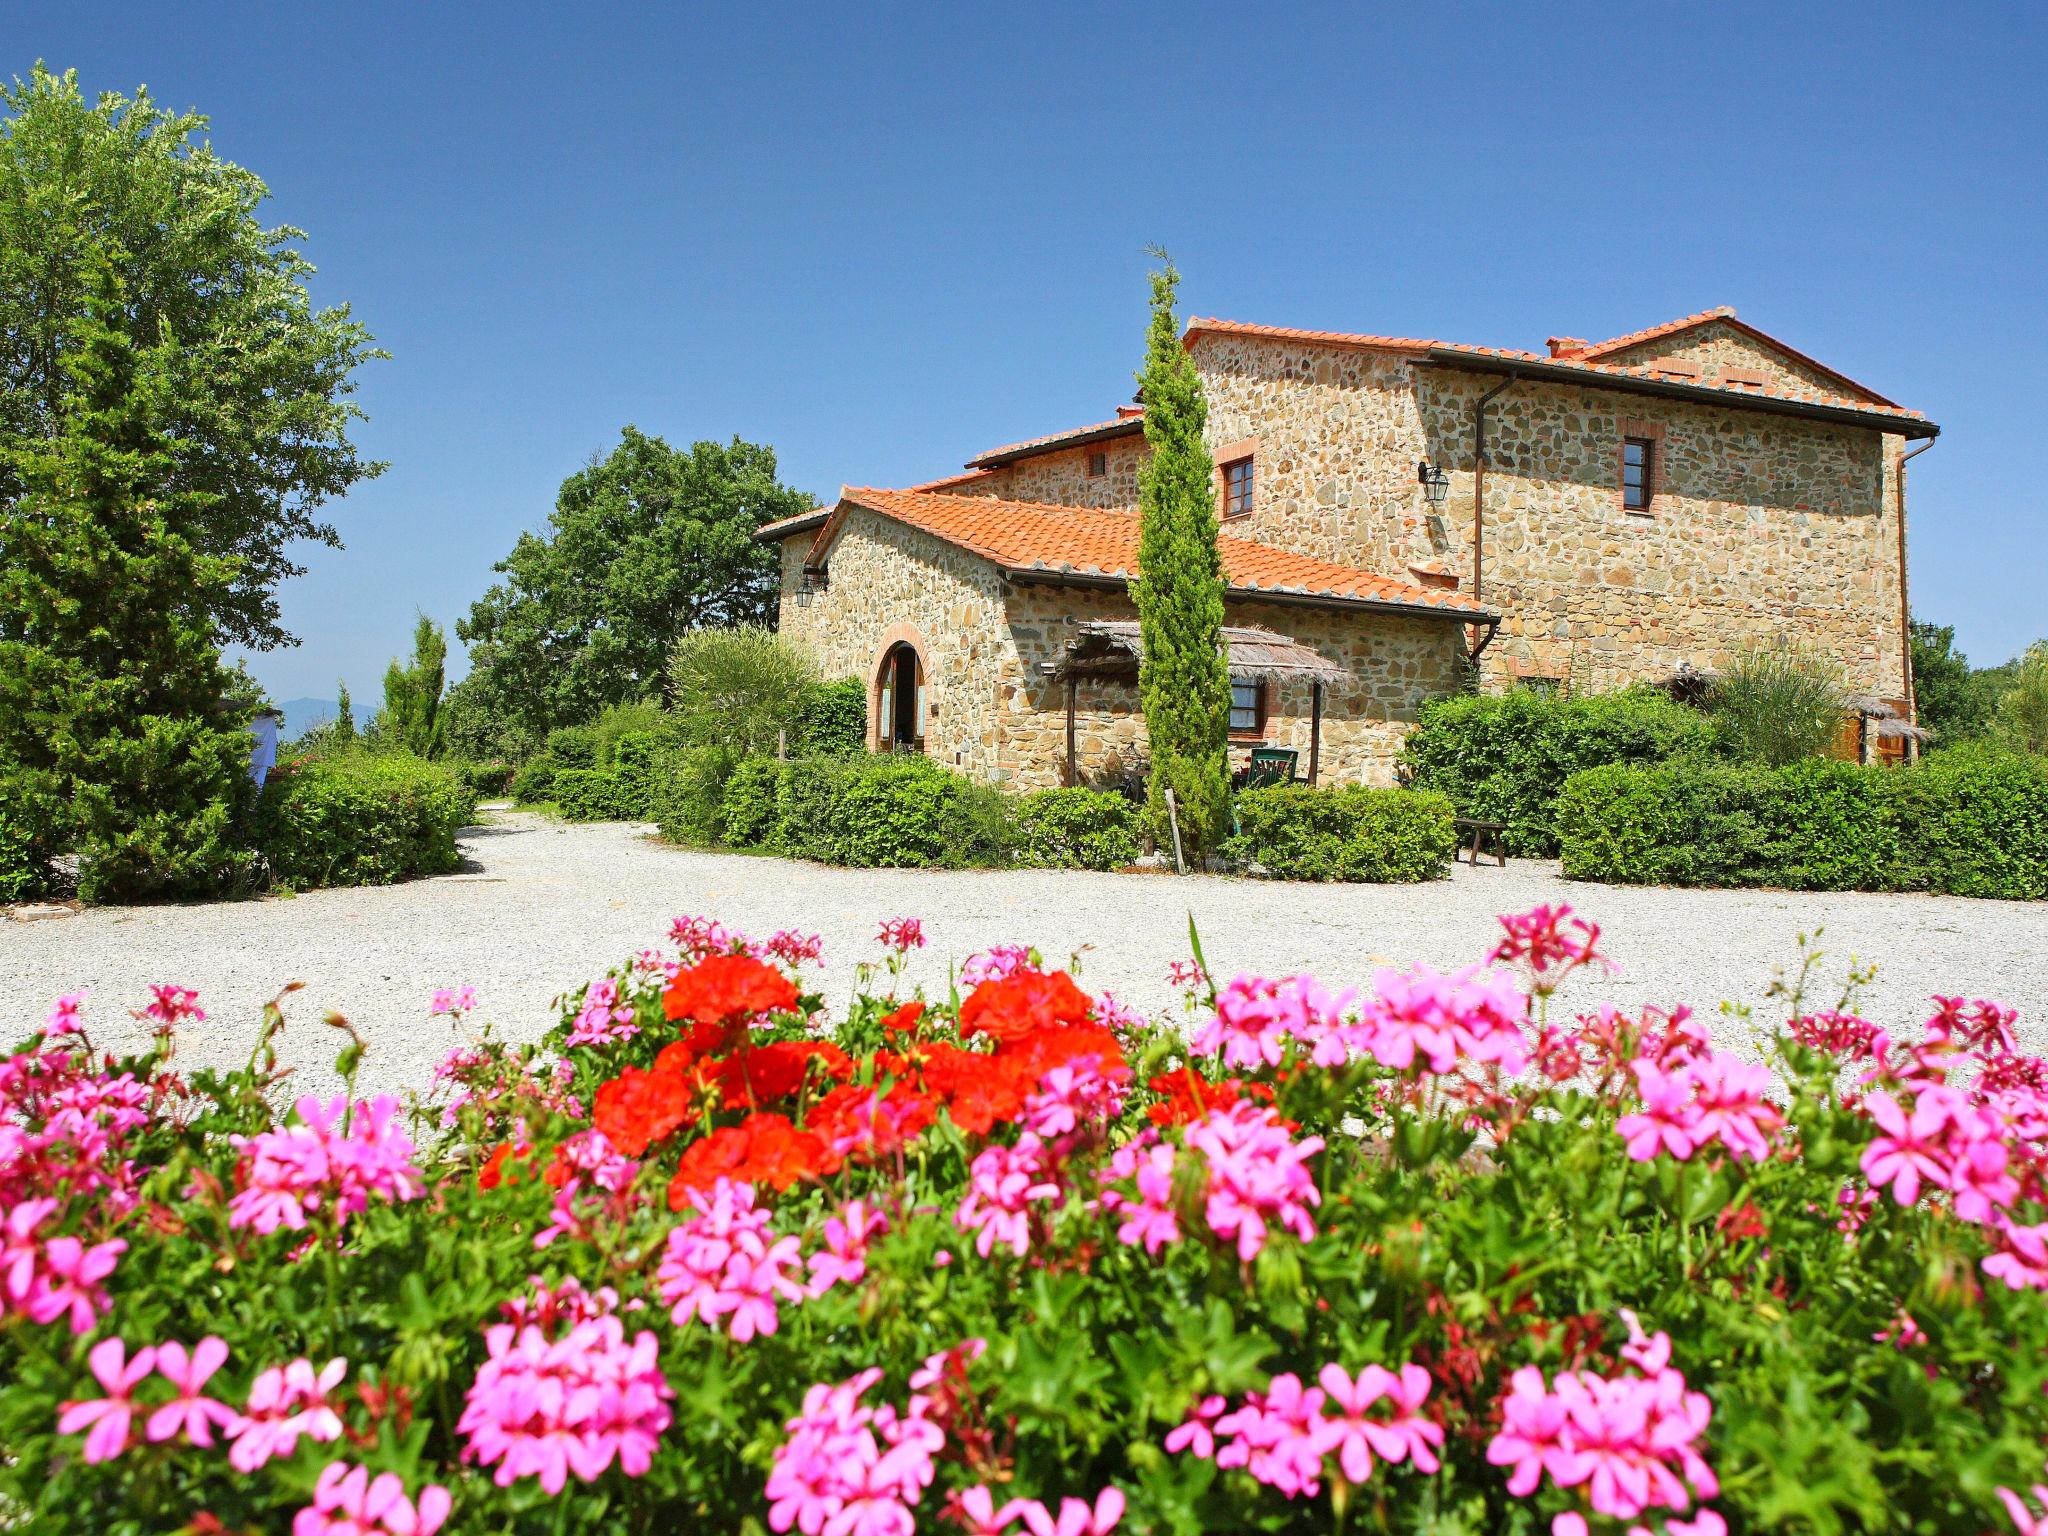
<point>637,1109</point>
<point>494,1172</point>
<point>903,1018</point>
<point>762,1149</point>
<point>728,987</point>
<point>1022,1002</point>
<point>774,1071</point>
<point>1190,1096</point>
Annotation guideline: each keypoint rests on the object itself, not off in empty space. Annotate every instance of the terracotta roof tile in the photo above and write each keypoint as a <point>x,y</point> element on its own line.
<point>1123,424</point>
<point>1041,538</point>
<point>782,527</point>
<point>951,482</point>
<point>1588,360</point>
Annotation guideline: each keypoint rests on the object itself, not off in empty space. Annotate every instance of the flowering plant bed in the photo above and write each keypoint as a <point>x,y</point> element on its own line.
<point>1425,1256</point>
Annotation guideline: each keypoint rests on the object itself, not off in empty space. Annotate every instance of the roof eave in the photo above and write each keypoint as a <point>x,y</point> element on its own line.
<point>1031,575</point>
<point>789,528</point>
<point>1671,389</point>
<point>1002,457</point>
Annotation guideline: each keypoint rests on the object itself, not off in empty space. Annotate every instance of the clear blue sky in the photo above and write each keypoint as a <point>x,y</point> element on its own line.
<point>884,238</point>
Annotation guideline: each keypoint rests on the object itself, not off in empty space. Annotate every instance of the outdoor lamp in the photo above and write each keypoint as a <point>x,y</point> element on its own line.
<point>1436,485</point>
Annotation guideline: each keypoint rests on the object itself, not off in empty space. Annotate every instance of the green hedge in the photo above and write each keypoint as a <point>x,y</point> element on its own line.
<point>868,812</point>
<point>481,779</point>
<point>1505,757</point>
<point>1293,832</point>
<point>592,794</point>
<point>1969,824</point>
<point>24,860</point>
<point>832,719</point>
<point>359,819</point>
<point>1075,829</point>
<point>533,783</point>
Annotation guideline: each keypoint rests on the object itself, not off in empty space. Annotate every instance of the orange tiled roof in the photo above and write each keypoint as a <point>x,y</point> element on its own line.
<point>784,526</point>
<point>1125,424</point>
<point>1038,538</point>
<point>949,482</point>
<point>1583,361</point>
<point>1651,333</point>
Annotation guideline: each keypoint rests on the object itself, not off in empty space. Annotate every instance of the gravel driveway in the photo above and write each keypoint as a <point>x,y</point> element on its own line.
<point>541,906</point>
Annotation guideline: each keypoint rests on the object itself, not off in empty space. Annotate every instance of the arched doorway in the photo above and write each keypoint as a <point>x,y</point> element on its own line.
<point>899,700</point>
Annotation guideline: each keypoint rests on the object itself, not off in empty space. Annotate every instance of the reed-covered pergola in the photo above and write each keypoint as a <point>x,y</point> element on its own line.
<point>1114,648</point>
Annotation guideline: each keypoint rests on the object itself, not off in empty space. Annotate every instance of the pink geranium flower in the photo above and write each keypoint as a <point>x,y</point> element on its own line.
<point>1076,1516</point>
<point>1908,1152</point>
<point>107,1420</point>
<point>348,1502</point>
<point>190,1413</point>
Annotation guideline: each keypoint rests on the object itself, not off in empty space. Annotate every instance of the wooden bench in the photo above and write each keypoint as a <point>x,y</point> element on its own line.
<point>1475,837</point>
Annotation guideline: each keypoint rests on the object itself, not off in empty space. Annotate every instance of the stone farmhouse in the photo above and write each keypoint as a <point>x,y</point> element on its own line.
<point>1396,513</point>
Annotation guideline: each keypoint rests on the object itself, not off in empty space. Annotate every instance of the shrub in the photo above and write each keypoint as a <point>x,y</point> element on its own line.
<point>640,761</point>
<point>1969,823</point>
<point>1423,1283</point>
<point>1075,828</point>
<point>593,794</point>
<point>832,719</point>
<point>622,721</point>
<point>869,812</point>
<point>24,856</point>
<point>1504,757</point>
<point>1294,832</point>
<point>534,782</point>
<point>484,779</point>
<point>743,686</point>
<point>2021,720</point>
<point>1777,705</point>
<point>751,805</point>
<point>360,819</point>
<point>575,746</point>
<point>690,799</point>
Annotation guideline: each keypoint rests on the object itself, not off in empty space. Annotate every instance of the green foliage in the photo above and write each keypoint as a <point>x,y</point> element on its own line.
<point>832,719</point>
<point>411,720</point>
<point>115,734</point>
<point>483,780</point>
<point>869,812</point>
<point>1967,822</point>
<point>1075,828</point>
<point>644,545</point>
<point>24,846</point>
<point>533,782</point>
<point>474,732</point>
<point>575,746</point>
<point>2022,718</point>
<point>1951,698</point>
<point>1294,832</point>
<point>1504,757</point>
<point>360,818</point>
<point>592,794</point>
<point>254,380</point>
<point>689,803</point>
<point>745,685</point>
<point>344,714</point>
<point>639,718</point>
<point>1184,681</point>
<point>1777,705</point>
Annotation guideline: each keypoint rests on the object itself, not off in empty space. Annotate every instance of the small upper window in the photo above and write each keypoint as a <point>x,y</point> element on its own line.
<point>1098,464</point>
<point>1248,708</point>
<point>1638,472</point>
<point>1237,488</point>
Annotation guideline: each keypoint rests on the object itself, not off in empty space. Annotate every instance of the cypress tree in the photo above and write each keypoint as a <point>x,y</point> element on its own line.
<point>344,715</point>
<point>412,716</point>
<point>114,727</point>
<point>1184,681</point>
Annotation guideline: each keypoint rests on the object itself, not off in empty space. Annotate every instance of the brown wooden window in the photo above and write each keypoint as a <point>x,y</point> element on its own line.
<point>1638,472</point>
<point>1237,488</point>
<point>1098,465</point>
<point>1248,707</point>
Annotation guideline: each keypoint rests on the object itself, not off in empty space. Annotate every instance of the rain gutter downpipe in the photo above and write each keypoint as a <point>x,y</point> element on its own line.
<point>1479,502</point>
<point>1905,605</point>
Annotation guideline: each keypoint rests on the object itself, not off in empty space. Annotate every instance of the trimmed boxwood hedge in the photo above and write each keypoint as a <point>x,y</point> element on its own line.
<point>1075,828</point>
<point>869,812</point>
<point>359,819</point>
<point>1293,832</point>
<point>1505,757</point>
<point>1968,823</point>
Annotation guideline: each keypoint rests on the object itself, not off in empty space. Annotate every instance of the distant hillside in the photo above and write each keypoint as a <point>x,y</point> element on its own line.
<point>301,715</point>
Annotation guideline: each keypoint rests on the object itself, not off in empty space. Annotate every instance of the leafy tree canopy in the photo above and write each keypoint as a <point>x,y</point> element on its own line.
<point>645,545</point>
<point>413,718</point>
<point>254,381</point>
<point>1954,699</point>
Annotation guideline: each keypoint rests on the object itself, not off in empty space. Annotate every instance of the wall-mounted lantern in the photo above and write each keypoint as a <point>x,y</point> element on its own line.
<point>1436,485</point>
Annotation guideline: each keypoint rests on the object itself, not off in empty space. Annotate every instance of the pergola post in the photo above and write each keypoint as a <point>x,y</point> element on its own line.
<point>1072,684</point>
<point>1315,730</point>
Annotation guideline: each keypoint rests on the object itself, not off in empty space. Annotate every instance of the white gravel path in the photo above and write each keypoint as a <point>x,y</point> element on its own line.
<point>541,907</point>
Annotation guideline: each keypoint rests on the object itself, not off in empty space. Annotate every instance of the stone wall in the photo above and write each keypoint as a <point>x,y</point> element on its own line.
<point>1397,665</point>
<point>1062,478</point>
<point>886,577</point>
<point>1764,530</point>
<point>1717,346</point>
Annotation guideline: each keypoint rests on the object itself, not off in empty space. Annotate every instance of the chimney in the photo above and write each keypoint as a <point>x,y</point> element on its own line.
<point>1568,346</point>
<point>1129,412</point>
